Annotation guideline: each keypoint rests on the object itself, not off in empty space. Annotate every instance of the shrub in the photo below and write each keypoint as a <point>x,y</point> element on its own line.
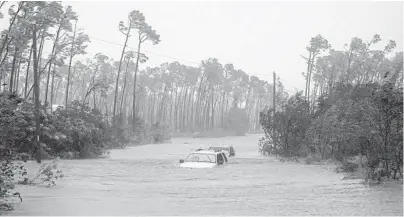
<point>47,174</point>
<point>83,131</point>
<point>76,129</point>
<point>265,147</point>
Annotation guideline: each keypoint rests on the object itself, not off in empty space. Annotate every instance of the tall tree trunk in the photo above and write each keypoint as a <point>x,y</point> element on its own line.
<point>94,95</point>
<point>52,61</point>
<point>17,85</point>
<point>257,117</point>
<point>188,109</point>
<point>213,111</point>
<point>12,70</point>
<point>222,108</point>
<point>119,72</point>
<point>171,108</point>
<point>192,117</point>
<point>134,84</point>
<point>307,77</point>
<point>41,44</point>
<point>57,93</point>
<point>175,110</point>
<point>124,86</point>
<point>184,113</point>
<point>70,64</point>
<point>207,118</point>
<point>162,104</point>
<point>36,89</point>
<point>309,81</point>
<point>52,85</point>
<point>27,73</point>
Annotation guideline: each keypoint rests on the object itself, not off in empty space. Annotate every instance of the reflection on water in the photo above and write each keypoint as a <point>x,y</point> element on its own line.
<point>145,181</point>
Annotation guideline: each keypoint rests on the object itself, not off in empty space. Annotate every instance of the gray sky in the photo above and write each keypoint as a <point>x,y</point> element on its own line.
<point>258,37</point>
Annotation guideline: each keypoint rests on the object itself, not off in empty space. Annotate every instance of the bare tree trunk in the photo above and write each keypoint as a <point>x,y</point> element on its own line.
<point>12,70</point>
<point>27,74</point>
<point>124,86</point>
<point>134,84</point>
<point>184,112</point>
<point>70,64</point>
<point>52,85</point>
<point>41,44</point>
<point>51,61</point>
<point>119,72</point>
<point>17,83</point>
<point>213,111</point>
<point>36,87</point>
<point>307,76</point>
<point>57,92</point>
<point>309,80</point>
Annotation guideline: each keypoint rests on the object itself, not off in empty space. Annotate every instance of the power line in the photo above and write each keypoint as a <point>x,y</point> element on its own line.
<point>167,56</point>
<point>176,58</point>
<point>121,45</point>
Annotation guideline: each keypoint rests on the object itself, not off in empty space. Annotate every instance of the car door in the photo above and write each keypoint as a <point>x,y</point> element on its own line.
<point>225,158</point>
<point>221,159</point>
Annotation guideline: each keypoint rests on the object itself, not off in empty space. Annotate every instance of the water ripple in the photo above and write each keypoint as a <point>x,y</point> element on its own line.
<point>145,180</point>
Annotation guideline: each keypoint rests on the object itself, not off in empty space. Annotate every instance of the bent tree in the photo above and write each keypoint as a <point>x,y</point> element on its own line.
<point>146,33</point>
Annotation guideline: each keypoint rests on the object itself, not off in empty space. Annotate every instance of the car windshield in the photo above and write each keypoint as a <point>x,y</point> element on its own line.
<point>199,157</point>
<point>219,148</point>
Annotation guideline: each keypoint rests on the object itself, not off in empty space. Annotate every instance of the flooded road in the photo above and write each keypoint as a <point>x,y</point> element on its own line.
<point>144,180</point>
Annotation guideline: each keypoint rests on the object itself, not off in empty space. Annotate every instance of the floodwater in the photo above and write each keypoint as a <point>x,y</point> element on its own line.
<point>144,180</point>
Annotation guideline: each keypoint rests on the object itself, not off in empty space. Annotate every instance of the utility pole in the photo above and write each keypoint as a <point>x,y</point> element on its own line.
<point>273,119</point>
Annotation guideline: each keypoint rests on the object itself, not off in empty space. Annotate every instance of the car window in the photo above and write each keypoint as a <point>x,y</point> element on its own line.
<point>210,158</point>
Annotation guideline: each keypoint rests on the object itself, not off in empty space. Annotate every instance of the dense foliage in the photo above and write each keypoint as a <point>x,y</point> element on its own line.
<point>76,129</point>
<point>358,112</point>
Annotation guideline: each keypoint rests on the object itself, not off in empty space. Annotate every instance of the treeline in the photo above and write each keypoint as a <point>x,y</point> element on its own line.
<point>354,108</point>
<point>182,97</point>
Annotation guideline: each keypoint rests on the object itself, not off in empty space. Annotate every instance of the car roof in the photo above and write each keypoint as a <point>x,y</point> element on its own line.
<point>219,147</point>
<point>206,152</point>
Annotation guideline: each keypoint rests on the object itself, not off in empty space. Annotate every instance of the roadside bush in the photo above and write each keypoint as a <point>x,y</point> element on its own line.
<point>76,129</point>
<point>82,130</point>
<point>361,121</point>
<point>265,147</point>
<point>8,173</point>
<point>312,158</point>
<point>287,129</point>
<point>47,174</point>
<point>347,167</point>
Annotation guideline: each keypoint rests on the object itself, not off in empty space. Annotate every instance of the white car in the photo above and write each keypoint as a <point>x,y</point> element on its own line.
<point>204,159</point>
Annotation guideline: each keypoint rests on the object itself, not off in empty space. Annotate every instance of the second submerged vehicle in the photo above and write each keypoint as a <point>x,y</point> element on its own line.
<point>229,149</point>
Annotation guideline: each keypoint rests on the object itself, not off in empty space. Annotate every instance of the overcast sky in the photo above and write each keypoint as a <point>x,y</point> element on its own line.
<point>257,37</point>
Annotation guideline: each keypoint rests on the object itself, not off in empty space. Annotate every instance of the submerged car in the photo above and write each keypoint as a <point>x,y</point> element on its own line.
<point>228,149</point>
<point>204,159</point>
